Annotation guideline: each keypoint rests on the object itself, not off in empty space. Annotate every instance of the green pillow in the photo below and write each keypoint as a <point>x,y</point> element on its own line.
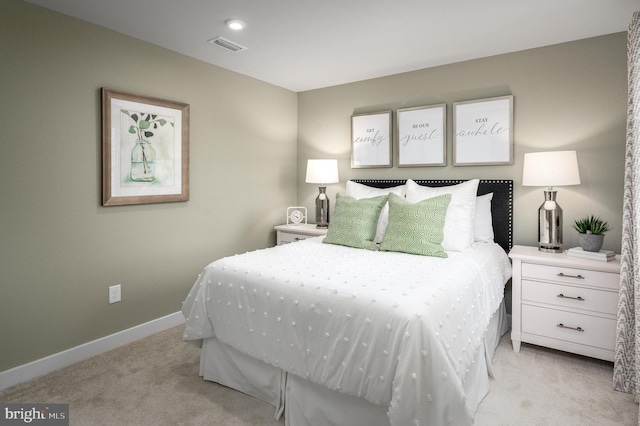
<point>354,222</point>
<point>416,228</point>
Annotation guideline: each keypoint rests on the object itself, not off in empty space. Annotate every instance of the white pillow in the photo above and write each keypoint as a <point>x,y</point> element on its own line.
<point>484,223</point>
<point>459,223</point>
<point>358,191</point>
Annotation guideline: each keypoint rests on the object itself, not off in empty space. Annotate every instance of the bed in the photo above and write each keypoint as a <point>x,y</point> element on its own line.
<point>330,334</point>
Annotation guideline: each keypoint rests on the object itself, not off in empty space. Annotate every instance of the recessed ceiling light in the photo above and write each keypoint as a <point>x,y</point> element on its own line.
<point>235,24</point>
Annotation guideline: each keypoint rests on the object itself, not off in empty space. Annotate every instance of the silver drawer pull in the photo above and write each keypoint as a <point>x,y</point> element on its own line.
<point>298,239</point>
<point>571,328</point>
<point>580,277</point>
<point>562,296</point>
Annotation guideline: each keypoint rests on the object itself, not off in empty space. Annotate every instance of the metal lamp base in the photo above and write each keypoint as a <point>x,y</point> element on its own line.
<point>550,224</point>
<point>322,208</point>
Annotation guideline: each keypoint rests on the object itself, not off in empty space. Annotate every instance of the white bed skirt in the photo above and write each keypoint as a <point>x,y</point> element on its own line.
<point>305,403</point>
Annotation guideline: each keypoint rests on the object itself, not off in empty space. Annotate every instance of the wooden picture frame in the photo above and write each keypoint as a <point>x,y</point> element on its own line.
<point>371,140</point>
<point>483,132</point>
<point>145,149</point>
<point>422,136</point>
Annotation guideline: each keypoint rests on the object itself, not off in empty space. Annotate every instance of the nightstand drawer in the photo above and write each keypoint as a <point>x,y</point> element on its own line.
<point>571,275</point>
<point>286,237</point>
<point>570,296</point>
<point>291,233</point>
<point>593,331</point>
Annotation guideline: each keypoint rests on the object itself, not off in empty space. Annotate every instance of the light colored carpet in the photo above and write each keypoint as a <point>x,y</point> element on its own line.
<point>540,386</point>
<point>155,381</point>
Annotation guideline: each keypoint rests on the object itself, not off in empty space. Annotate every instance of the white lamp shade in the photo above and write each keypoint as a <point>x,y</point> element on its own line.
<point>557,168</point>
<point>322,171</point>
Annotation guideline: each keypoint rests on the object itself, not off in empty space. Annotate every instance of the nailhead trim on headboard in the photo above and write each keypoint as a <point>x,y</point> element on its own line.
<point>501,205</point>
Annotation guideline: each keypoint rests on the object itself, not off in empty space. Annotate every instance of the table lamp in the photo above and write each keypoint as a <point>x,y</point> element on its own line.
<point>557,168</point>
<point>322,172</point>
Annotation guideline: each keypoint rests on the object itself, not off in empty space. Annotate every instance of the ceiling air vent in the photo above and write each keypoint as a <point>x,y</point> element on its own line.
<point>227,44</point>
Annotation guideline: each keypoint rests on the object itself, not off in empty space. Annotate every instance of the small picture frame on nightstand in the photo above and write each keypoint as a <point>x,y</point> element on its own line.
<point>296,215</point>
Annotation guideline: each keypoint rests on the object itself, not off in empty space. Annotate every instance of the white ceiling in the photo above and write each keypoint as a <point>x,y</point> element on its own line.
<point>308,44</point>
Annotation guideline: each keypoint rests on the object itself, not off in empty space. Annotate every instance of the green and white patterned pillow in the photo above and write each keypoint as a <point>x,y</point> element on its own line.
<point>354,222</point>
<point>416,228</point>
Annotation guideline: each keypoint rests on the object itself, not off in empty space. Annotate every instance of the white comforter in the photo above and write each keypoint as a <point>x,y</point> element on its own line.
<point>392,328</point>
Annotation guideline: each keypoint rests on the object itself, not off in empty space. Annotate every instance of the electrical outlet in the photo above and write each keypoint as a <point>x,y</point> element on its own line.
<point>114,293</point>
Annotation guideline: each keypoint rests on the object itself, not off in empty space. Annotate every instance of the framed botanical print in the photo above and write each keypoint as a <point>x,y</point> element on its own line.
<point>145,149</point>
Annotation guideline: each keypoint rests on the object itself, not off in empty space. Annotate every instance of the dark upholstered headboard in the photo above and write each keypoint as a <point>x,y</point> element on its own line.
<point>501,204</point>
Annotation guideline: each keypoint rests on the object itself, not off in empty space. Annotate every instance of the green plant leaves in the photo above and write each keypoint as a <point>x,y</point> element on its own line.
<point>591,225</point>
<point>144,122</point>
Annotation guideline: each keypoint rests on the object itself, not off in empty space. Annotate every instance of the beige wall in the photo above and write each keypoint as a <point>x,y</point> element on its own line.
<point>567,96</point>
<point>60,249</point>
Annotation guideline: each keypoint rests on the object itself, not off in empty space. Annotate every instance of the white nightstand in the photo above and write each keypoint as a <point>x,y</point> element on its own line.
<point>292,233</point>
<point>564,302</point>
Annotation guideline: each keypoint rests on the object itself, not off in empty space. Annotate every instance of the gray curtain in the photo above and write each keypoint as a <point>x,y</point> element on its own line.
<point>626,376</point>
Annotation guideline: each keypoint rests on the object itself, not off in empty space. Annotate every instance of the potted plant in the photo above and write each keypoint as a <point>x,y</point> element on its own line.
<point>591,231</point>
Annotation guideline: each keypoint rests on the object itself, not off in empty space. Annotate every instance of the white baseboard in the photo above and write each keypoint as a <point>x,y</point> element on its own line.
<point>54,362</point>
